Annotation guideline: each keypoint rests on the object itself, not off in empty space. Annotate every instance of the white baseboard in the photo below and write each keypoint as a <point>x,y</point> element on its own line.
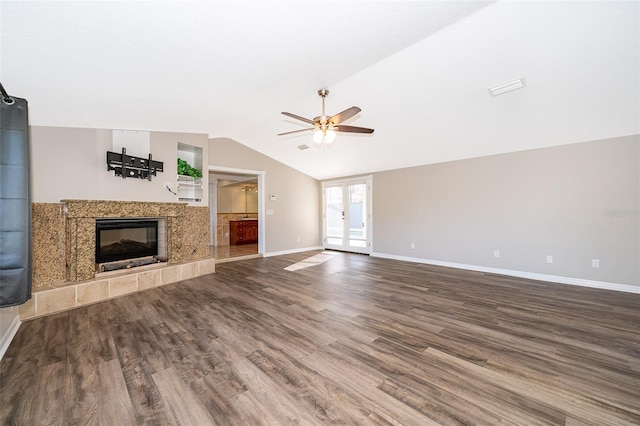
<point>520,274</point>
<point>8,336</point>
<point>298,250</point>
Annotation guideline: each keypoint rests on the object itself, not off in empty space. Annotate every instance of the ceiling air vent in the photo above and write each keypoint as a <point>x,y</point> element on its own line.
<point>303,147</point>
<point>507,86</point>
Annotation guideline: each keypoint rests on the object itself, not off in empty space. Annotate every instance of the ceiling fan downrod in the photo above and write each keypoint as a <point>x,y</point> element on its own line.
<point>323,93</point>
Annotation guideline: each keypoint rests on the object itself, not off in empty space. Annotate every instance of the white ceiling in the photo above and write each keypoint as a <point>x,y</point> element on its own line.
<point>418,69</point>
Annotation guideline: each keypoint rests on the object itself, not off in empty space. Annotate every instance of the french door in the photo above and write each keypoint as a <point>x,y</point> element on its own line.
<point>346,218</point>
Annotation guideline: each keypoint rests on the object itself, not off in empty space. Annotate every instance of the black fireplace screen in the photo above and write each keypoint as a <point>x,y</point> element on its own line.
<point>121,239</point>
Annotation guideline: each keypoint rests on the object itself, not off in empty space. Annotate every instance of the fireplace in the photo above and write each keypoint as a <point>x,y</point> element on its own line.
<point>124,239</point>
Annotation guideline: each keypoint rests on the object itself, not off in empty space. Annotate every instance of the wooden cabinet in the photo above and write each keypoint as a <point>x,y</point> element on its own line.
<point>244,231</point>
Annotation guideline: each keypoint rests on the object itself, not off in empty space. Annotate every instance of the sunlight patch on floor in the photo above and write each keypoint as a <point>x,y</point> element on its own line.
<point>311,261</point>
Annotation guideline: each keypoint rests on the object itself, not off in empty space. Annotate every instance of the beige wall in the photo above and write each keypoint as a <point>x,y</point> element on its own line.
<point>296,211</point>
<point>575,202</point>
<point>7,316</point>
<point>70,163</point>
<point>8,319</point>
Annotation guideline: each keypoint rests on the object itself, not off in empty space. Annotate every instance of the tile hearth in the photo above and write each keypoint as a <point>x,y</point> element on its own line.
<point>110,285</point>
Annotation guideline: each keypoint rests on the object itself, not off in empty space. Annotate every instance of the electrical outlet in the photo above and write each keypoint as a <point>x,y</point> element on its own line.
<point>549,258</point>
<point>496,253</point>
<point>167,185</point>
<point>595,263</point>
<point>413,245</point>
<point>298,240</point>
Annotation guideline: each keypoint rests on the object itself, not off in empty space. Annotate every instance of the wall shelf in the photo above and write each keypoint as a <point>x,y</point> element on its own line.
<point>189,189</point>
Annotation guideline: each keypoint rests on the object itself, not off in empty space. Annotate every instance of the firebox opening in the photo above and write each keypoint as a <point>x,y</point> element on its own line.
<point>123,239</point>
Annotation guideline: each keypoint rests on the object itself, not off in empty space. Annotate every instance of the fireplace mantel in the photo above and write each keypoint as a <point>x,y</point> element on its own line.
<point>107,208</point>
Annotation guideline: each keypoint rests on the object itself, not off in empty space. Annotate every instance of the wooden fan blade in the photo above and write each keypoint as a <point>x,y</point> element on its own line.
<point>297,117</point>
<point>344,115</point>
<point>352,129</point>
<point>295,131</point>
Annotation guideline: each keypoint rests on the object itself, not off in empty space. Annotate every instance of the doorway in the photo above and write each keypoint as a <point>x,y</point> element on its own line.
<point>346,216</point>
<point>236,203</point>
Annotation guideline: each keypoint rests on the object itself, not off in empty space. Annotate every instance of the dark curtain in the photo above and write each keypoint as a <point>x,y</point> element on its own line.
<point>15,204</point>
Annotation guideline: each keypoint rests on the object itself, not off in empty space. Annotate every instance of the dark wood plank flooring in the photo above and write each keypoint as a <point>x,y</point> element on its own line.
<point>355,340</point>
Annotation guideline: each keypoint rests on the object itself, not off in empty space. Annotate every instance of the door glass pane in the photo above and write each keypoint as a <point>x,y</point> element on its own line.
<point>358,243</point>
<point>334,215</point>
<point>358,215</point>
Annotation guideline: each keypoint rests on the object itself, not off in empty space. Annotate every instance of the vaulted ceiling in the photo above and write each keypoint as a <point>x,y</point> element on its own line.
<point>419,70</point>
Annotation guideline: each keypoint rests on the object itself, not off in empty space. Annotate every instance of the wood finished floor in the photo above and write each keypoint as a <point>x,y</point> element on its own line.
<point>355,340</point>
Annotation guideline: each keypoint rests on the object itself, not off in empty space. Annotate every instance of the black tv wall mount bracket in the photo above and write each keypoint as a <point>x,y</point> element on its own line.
<point>133,167</point>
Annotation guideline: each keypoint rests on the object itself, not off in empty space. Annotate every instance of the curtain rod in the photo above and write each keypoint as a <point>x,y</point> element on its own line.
<point>5,96</point>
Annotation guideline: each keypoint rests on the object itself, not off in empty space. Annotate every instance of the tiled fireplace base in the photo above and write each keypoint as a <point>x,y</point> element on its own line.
<point>50,301</point>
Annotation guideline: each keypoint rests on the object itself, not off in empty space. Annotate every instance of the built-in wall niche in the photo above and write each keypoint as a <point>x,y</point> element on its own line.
<point>189,173</point>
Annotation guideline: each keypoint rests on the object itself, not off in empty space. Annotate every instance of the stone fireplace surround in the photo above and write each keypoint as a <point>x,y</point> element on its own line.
<point>64,269</point>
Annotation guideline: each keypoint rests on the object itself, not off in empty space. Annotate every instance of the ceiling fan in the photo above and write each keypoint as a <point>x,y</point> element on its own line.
<point>325,127</point>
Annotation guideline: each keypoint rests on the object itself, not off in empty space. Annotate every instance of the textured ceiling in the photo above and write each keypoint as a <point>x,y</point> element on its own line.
<point>419,70</point>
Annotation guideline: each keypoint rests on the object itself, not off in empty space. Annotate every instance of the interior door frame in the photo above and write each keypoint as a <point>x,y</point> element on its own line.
<point>261,174</point>
<point>368,180</point>
<point>213,212</point>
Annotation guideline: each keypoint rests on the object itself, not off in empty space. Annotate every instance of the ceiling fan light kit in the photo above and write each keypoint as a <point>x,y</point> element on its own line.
<point>325,127</point>
<point>324,136</point>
